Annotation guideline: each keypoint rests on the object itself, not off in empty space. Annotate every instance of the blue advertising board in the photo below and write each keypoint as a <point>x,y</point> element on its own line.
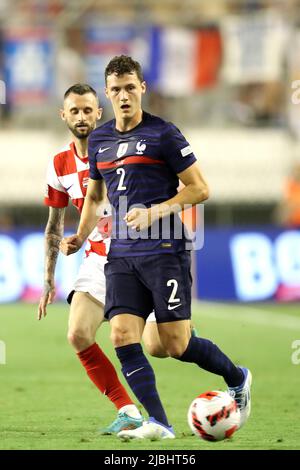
<point>249,264</point>
<point>241,264</point>
<point>22,267</point>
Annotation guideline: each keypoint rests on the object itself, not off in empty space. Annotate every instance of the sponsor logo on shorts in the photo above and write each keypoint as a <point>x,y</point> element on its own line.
<point>171,307</point>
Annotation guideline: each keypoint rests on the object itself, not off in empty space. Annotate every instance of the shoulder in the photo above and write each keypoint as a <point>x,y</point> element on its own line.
<point>165,127</point>
<point>61,155</point>
<point>63,162</point>
<point>171,129</point>
<point>154,121</point>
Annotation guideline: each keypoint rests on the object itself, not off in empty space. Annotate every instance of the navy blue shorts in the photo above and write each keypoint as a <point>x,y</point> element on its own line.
<point>139,284</point>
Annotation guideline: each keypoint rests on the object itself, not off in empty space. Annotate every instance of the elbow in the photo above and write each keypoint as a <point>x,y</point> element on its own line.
<point>203,193</point>
<point>53,233</point>
<point>93,199</point>
<point>53,238</point>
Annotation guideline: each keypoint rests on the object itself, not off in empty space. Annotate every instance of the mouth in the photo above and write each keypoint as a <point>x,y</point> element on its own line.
<point>82,127</point>
<point>125,107</point>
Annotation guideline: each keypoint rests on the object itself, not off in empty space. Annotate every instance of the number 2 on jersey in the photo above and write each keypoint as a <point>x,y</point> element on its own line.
<point>121,172</point>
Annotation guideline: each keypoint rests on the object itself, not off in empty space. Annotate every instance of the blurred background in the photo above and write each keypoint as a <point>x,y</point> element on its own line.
<point>227,73</point>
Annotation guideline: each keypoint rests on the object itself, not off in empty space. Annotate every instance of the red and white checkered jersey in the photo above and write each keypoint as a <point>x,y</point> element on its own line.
<point>67,178</point>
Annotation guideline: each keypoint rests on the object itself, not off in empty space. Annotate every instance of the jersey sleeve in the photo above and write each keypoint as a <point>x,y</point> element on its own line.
<point>92,153</point>
<point>56,195</point>
<point>177,152</point>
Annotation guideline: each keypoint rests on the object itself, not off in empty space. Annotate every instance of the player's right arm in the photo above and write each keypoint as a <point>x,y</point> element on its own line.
<point>95,196</point>
<point>53,235</point>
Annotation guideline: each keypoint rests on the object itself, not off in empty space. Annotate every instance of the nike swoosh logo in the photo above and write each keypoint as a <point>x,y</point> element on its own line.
<point>103,150</point>
<point>171,307</point>
<point>136,370</point>
<point>67,189</point>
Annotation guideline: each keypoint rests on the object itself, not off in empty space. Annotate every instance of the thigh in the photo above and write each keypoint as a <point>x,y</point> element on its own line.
<point>91,278</point>
<point>169,279</point>
<point>86,313</point>
<point>125,293</point>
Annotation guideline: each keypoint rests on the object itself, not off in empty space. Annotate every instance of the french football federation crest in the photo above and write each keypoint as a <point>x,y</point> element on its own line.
<point>140,147</point>
<point>122,149</point>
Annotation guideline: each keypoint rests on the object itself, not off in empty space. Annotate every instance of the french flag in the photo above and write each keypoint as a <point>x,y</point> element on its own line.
<point>189,60</point>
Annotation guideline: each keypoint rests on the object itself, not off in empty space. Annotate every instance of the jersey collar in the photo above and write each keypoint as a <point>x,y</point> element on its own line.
<point>73,148</point>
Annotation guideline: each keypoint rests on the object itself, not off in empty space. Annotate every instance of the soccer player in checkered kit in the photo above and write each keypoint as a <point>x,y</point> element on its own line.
<point>67,180</point>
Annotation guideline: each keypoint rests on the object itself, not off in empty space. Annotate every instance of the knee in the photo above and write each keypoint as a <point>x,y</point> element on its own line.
<point>120,336</point>
<point>156,350</point>
<point>175,347</point>
<point>175,351</point>
<point>80,339</point>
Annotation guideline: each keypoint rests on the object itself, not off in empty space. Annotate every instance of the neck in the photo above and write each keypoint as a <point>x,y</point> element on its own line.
<point>126,124</point>
<point>81,146</point>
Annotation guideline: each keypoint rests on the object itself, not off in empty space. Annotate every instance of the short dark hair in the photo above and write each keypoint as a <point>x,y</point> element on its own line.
<point>123,64</point>
<point>80,89</point>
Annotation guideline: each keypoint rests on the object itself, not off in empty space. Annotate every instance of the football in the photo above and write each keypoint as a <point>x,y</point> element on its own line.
<point>214,416</point>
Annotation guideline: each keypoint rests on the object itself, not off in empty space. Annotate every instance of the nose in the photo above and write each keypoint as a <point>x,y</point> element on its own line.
<point>81,116</point>
<point>124,95</point>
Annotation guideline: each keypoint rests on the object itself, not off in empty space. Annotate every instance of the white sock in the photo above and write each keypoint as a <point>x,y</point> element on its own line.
<point>131,410</point>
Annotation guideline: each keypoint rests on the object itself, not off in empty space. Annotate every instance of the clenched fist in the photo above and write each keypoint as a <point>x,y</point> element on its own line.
<point>71,244</point>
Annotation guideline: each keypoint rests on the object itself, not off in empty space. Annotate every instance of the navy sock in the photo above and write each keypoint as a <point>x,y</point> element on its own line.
<point>208,356</point>
<point>141,379</point>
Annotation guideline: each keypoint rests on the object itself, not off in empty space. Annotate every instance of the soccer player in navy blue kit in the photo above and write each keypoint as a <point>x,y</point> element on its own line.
<point>141,159</point>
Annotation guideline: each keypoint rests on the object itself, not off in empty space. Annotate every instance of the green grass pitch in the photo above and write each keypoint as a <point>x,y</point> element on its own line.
<point>47,401</point>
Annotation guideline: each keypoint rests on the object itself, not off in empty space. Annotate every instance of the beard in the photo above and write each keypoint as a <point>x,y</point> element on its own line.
<point>81,133</point>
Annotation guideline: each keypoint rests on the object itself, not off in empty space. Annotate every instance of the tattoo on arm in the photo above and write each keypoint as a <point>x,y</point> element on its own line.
<point>53,234</point>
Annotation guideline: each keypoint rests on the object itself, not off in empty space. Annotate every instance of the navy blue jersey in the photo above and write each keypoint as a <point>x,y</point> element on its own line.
<point>140,168</point>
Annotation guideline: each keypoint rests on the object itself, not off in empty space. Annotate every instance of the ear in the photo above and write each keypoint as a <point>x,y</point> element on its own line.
<point>144,87</point>
<point>99,113</point>
<point>62,114</point>
<point>106,92</point>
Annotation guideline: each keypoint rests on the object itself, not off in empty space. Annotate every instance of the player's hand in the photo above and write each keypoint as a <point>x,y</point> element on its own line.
<point>70,245</point>
<point>47,298</point>
<point>138,219</point>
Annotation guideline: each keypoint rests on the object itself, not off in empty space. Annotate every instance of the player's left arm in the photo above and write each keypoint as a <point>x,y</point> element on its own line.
<point>177,153</point>
<point>194,192</point>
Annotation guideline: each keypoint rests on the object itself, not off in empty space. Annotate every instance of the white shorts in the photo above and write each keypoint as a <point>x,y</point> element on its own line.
<point>91,279</point>
<point>151,317</point>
